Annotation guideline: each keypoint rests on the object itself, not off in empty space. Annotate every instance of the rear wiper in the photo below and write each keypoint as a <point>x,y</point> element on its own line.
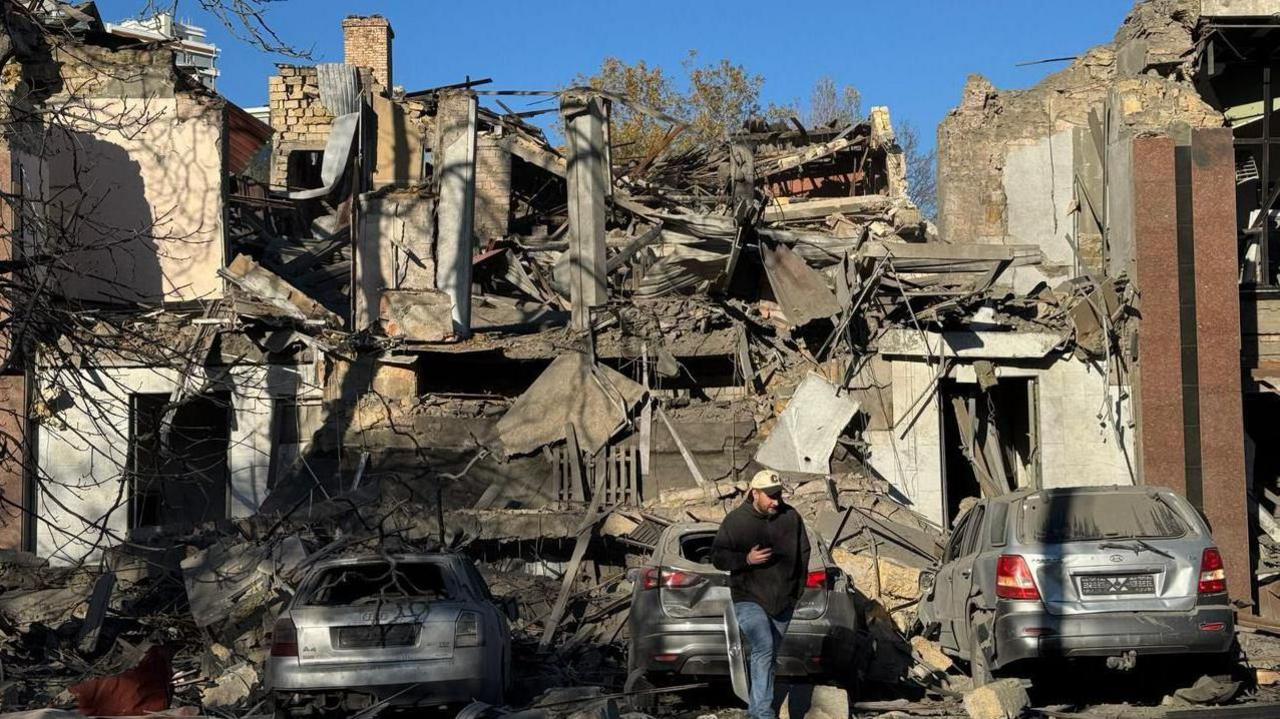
<point>1140,544</point>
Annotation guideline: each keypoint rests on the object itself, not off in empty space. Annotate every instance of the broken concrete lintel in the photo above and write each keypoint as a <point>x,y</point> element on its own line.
<point>265,285</point>
<point>968,345</point>
<point>535,154</point>
<point>779,211</point>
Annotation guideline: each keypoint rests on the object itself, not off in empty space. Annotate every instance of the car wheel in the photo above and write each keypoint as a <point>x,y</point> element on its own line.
<point>979,667</point>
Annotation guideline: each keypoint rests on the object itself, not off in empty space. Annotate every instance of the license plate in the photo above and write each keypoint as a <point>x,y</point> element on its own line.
<point>1118,584</point>
<point>376,637</point>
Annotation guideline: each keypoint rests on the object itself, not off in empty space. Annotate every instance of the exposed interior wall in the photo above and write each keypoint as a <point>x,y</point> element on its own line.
<point>908,453</point>
<point>83,449</point>
<point>395,250</point>
<point>1076,446</point>
<point>1038,185</point>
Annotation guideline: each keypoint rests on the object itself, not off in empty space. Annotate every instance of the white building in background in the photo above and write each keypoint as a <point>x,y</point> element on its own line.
<point>193,50</point>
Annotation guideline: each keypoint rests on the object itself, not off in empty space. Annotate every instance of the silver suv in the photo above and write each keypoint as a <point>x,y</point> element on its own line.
<point>1114,572</point>
<point>408,629</point>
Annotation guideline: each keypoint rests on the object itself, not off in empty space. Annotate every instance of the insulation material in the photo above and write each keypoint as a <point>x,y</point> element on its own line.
<point>801,290</point>
<point>806,432</point>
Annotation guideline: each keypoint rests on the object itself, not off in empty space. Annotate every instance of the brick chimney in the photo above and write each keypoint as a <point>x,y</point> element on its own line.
<point>367,43</point>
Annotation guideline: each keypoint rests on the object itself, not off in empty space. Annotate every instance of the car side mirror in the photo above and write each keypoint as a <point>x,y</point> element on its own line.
<point>925,583</point>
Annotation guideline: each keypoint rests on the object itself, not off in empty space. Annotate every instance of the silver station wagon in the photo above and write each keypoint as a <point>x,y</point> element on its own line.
<point>1114,572</point>
<point>408,630</point>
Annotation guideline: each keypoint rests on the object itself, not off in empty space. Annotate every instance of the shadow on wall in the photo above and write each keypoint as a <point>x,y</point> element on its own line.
<point>101,225</point>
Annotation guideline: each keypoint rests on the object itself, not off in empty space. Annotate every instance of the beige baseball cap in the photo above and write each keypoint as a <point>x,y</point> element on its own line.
<point>767,481</point>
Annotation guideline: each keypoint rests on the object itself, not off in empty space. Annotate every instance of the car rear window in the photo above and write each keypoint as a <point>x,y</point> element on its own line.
<point>371,583</point>
<point>1083,517</point>
<point>697,547</point>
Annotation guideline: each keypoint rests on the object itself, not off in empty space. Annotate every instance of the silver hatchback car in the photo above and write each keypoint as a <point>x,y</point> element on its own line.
<point>411,629</point>
<point>677,622</point>
<point>1116,572</point>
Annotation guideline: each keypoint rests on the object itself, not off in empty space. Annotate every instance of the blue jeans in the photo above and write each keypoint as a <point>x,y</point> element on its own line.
<point>764,633</point>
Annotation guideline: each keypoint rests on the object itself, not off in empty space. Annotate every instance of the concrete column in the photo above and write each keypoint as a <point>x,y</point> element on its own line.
<point>249,456</point>
<point>454,153</point>
<point>1217,320</point>
<point>589,182</point>
<point>1158,377</point>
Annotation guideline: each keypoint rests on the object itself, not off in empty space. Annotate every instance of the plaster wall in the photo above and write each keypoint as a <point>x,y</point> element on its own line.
<point>1039,187</point>
<point>82,449</point>
<point>131,196</point>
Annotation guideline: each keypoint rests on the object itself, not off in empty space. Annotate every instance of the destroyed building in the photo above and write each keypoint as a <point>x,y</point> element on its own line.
<point>421,284</point>
<point>399,317</point>
<point>1147,161</point>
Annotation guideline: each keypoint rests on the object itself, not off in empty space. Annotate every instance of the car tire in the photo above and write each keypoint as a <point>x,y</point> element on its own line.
<point>979,667</point>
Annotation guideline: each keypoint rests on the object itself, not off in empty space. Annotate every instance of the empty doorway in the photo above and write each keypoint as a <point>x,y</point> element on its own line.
<point>990,439</point>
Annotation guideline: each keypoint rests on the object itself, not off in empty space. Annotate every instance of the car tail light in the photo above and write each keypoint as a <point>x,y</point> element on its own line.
<point>650,578</point>
<point>817,580</point>
<point>654,577</point>
<point>1213,575</point>
<point>466,632</point>
<point>1014,580</point>
<point>284,638</point>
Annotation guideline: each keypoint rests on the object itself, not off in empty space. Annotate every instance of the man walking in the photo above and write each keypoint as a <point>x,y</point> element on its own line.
<point>764,547</point>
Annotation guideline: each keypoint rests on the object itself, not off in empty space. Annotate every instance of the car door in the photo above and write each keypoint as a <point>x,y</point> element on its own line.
<point>962,574</point>
<point>942,585</point>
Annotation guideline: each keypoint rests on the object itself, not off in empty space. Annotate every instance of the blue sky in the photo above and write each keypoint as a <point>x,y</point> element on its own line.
<point>912,55</point>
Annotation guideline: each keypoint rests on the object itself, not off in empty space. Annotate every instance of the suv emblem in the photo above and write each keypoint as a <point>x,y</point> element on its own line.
<point>1116,558</point>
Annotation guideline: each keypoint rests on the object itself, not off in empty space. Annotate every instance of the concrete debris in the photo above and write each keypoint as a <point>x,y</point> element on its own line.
<point>931,654</point>
<point>233,688</point>
<point>1206,691</point>
<point>813,701</point>
<point>417,315</point>
<point>1003,699</point>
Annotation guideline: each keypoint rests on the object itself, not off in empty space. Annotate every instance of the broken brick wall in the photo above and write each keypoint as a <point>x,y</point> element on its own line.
<point>300,120</point>
<point>1036,166</point>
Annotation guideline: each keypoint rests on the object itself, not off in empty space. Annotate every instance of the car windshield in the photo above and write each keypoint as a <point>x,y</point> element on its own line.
<point>1082,517</point>
<point>375,582</point>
